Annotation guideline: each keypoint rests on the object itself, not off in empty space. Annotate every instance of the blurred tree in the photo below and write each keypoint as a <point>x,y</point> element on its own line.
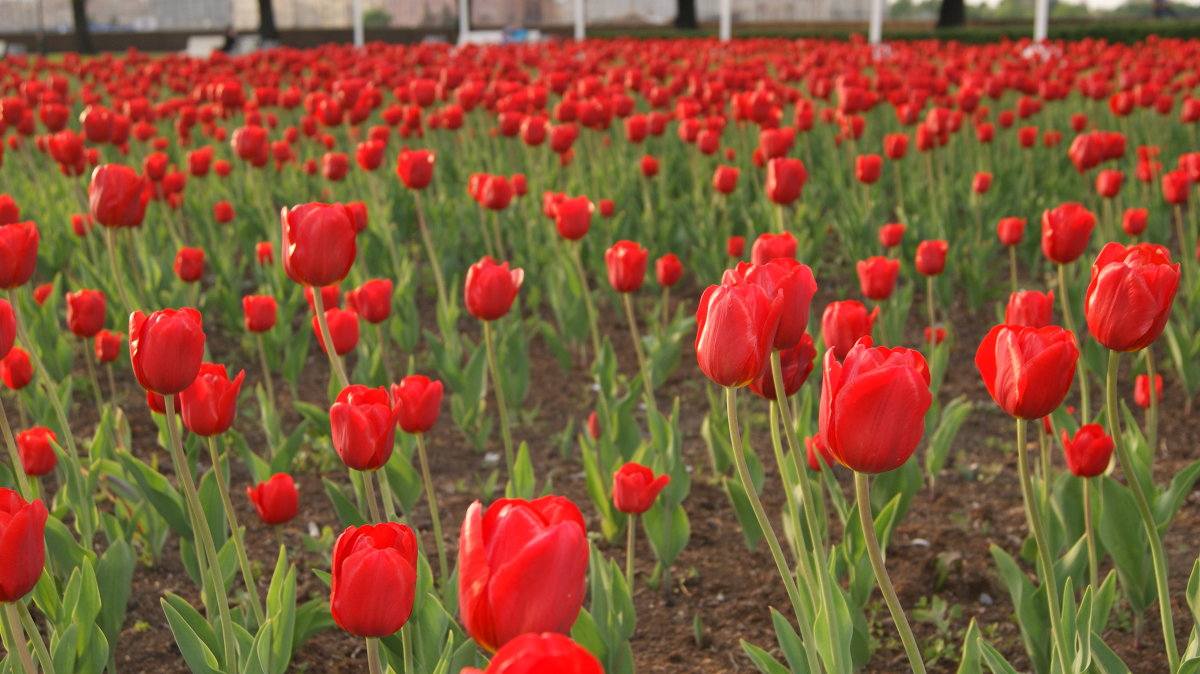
<point>83,34</point>
<point>377,17</point>
<point>266,21</point>
<point>953,13</point>
<point>685,14</point>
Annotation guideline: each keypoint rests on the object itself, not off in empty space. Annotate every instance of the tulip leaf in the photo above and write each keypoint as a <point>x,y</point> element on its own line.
<point>969,661</point>
<point>312,617</point>
<point>155,489</point>
<point>114,573</point>
<point>1030,608</point>
<point>522,483</point>
<point>952,418</point>
<point>194,636</point>
<point>348,514</point>
<point>765,663</point>
<point>794,651</point>
<point>1104,659</point>
<point>1168,501</point>
<point>1121,530</point>
<point>995,661</point>
<point>748,521</point>
<point>598,482</point>
<point>64,647</point>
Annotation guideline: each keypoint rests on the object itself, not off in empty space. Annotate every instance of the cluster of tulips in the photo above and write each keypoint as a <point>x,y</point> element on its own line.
<point>534,187</point>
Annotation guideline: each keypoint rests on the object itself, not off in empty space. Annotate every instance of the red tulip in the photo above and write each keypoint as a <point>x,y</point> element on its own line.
<point>41,293</point>
<point>735,331</point>
<point>117,196</point>
<point>189,264</point>
<point>331,297</point>
<point>223,212</point>
<point>108,346</point>
<point>573,217</point>
<point>264,253</point>
<point>735,246</point>
<point>873,406</point>
<point>789,280</point>
<point>260,312</point>
<point>1141,390</point>
<point>374,579</point>
<point>277,500</point>
<point>85,312</point>
<point>844,323</point>
<point>1065,232</point>
<point>209,405</point>
<point>877,277</point>
<point>1175,187</point>
<point>418,403</point>
<point>796,363</point>
<point>36,451</point>
<point>9,211</point>
<point>867,168</point>
<point>635,488</point>
<point>18,253</point>
<point>166,349</point>
<point>318,243</point>
<point>607,207</point>
<point>769,246</point>
<point>725,179</point>
<point>22,545</point>
<point>363,424</point>
<point>895,145</point>
<point>1134,220</point>
<point>891,234</point>
<point>369,154</point>
<point>1030,308</point>
<point>415,168</point>
<point>626,262</point>
<point>1108,183</point>
<point>522,568</point>
<point>1011,230</point>
<point>8,327</point>
<point>649,166</point>
<point>491,288</point>
<point>372,300</point>
<point>785,180</point>
<point>817,453</point>
<point>668,270</point>
<point>981,183</point>
<point>1129,298</point>
<point>495,193</point>
<point>1089,453</point>
<point>343,330</point>
<point>931,257</point>
<point>539,654</point>
<point>1027,371</point>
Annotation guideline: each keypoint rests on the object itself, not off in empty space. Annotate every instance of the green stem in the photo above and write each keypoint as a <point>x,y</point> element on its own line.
<point>647,384</point>
<point>1012,267</point>
<point>1152,419</point>
<point>373,663</point>
<point>666,308</point>
<point>498,390</point>
<point>269,385</point>
<point>18,637</point>
<point>382,344</point>
<point>385,494</point>
<point>1069,320</point>
<point>14,456</point>
<point>929,308</point>
<point>1044,451</point>
<point>630,538</point>
<point>239,545</point>
<point>1139,496</point>
<point>91,367</point>
<point>793,512</point>
<point>335,361</point>
<point>431,495</point>
<point>1093,560</point>
<point>372,501</point>
<point>862,491</point>
<point>760,514</point>
<point>587,298</point>
<point>1049,581</point>
<point>117,273</point>
<point>443,298</point>
<point>35,636</point>
<point>202,532</point>
<point>406,648</point>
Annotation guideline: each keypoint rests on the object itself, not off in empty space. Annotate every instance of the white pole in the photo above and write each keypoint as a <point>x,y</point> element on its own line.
<point>875,34</point>
<point>356,7</point>
<point>1041,20</point>
<point>579,20</point>
<point>726,20</point>
<point>464,21</point>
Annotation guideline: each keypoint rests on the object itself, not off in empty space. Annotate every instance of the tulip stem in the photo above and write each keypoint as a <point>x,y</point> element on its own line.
<point>929,307</point>
<point>1139,497</point>
<point>335,361</point>
<point>760,514</point>
<point>792,511</point>
<point>1032,513</point>
<point>202,533</point>
<point>235,531</point>
<point>1152,412</point>
<point>666,308</point>
<point>385,494</point>
<point>443,298</point>
<point>373,656</point>
<point>1069,319</point>
<point>18,637</point>
<point>630,540</point>
<point>382,345</point>
<point>498,390</point>
<point>587,298</point>
<point>35,636</point>
<point>1044,450</point>
<point>1181,234</point>
<point>91,367</point>
<point>111,245</point>
<point>647,384</point>
<point>1012,267</point>
<point>267,383</point>
<point>372,502</point>
<point>1093,560</point>
<point>14,456</point>
<point>406,648</point>
<point>862,490</point>
<point>431,495</point>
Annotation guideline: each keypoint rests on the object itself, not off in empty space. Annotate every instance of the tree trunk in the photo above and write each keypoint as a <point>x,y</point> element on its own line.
<point>83,35</point>
<point>953,13</point>
<point>266,21</point>
<point>685,14</point>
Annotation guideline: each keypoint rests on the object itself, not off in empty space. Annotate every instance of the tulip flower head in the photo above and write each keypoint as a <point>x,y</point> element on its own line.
<point>877,277</point>
<point>1027,371</point>
<point>1141,390</point>
<point>1030,308</point>
<point>491,288</point>
<point>1130,295</point>
<point>85,312</point>
<point>792,282</point>
<point>22,544</point>
<point>374,579</point>
<point>626,263</point>
<point>1089,452</point>
<point>1066,231</point>
<point>363,424</point>
<point>277,500</point>
<point>166,349</point>
<point>546,652</point>
<point>418,403</point>
<point>635,488</point>
<point>209,405</point>
<point>36,449</point>
<point>769,246</point>
<point>735,332</point>
<point>796,364</point>
<point>318,243</point>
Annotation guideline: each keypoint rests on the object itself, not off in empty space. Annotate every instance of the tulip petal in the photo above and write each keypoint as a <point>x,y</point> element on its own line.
<point>541,590</point>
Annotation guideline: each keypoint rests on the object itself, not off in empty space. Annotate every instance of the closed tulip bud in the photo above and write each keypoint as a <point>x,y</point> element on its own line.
<point>158,404</point>
<point>1027,371</point>
<point>1011,230</point>
<point>318,243</point>
<point>418,403</point>
<point>264,253</point>
<point>547,652</point>
<point>844,323</point>
<point>891,234</point>
<point>277,500</point>
<point>1175,187</point>
<point>1030,308</point>
<point>415,168</point>
<point>343,330</point>
<point>374,579</point>
<point>117,196</point>
<point>363,424</point>
<point>668,270</point>
<point>785,180</point>
<point>18,253</point>
<point>1141,390</point>
<point>873,406</point>
<point>36,451</point>
<point>635,488</point>
<point>22,545</point>
<point>649,166</point>
<point>626,263</point>
<point>593,426</point>
<point>796,363</point>
<point>1129,298</point>
<point>223,212</point>
<point>1065,232</point>
<point>85,312</point>
<point>372,300</point>
<point>725,179</point>
<point>189,264</point>
<point>369,154</point>
<point>877,277</point>
<point>895,145</point>
<point>792,282</point>
<point>735,246</point>
<point>490,288</point>
<point>817,453</point>
<point>934,335</point>
<point>209,405</point>
<point>260,312</point>
<point>981,183</point>
<point>222,168</point>
<point>8,327</point>
<point>1108,183</point>
<point>573,217</point>
<point>735,332</point>
<point>1089,453</point>
<point>1134,220</point>
<point>522,568</point>
<point>769,246</point>
<point>495,193</point>
<point>867,168</point>
<point>108,346</point>
<point>166,348</point>
<point>607,207</point>
<point>42,292</point>
<point>931,257</point>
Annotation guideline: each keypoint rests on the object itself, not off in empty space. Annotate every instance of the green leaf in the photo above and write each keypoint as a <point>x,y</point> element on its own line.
<point>952,418</point>
<point>764,662</point>
<point>155,489</point>
<point>969,662</point>
<point>793,649</point>
<point>1168,501</point>
<point>522,483</point>
<point>348,514</point>
<point>193,635</point>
